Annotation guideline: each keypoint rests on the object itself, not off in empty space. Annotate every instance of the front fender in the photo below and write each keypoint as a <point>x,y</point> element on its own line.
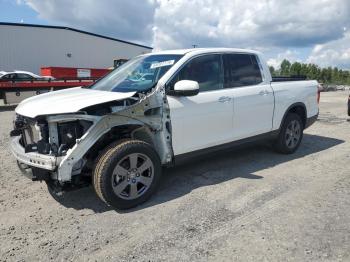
<point>95,132</point>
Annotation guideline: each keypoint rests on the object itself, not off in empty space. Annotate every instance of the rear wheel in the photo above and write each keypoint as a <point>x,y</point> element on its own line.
<point>127,174</point>
<point>290,135</point>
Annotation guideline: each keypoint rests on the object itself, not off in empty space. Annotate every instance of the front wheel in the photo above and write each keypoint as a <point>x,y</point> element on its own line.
<point>290,135</point>
<point>127,174</point>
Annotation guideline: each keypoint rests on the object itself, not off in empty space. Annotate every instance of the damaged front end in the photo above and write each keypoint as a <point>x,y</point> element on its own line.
<point>41,144</point>
<point>61,148</point>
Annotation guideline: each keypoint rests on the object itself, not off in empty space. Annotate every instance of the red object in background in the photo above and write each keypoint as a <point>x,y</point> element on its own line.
<point>43,84</point>
<point>71,72</point>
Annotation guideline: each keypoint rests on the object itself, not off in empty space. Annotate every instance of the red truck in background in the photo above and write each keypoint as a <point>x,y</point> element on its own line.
<point>71,72</point>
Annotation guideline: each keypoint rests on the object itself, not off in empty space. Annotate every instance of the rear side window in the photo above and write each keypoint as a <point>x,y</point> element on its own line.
<point>206,70</point>
<point>24,76</point>
<point>241,70</point>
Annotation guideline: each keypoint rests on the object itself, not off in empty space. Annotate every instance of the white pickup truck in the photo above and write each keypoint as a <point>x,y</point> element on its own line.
<point>157,110</point>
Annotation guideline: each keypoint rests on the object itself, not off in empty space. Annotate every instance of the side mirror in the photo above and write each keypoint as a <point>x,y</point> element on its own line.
<point>185,88</point>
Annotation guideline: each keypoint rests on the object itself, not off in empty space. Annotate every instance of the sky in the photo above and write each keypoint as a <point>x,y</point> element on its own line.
<point>311,31</point>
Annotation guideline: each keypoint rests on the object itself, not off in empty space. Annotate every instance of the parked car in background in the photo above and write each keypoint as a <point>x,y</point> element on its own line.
<point>331,88</point>
<point>119,132</point>
<point>22,76</point>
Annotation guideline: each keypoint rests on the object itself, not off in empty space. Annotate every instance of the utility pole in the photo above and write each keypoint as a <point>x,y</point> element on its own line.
<point>194,46</point>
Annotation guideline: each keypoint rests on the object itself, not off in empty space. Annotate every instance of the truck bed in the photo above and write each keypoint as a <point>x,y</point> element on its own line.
<point>291,92</point>
<point>288,78</point>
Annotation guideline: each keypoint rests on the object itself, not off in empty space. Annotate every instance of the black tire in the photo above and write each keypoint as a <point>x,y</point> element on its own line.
<point>108,180</point>
<point>54,192</point>
<point>285,142</point>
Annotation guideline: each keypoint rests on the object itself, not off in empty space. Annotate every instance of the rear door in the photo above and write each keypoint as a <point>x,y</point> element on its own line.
<point>206,119</point>
<point>253,99</point>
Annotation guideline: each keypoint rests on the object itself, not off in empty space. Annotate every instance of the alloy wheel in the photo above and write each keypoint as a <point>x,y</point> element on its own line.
<point>293,134</point>
<point>132,176</point>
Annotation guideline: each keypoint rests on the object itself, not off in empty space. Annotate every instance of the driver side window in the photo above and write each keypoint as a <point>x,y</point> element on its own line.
<point>206,70</point>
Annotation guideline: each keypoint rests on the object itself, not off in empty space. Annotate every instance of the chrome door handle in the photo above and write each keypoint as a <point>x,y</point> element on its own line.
<point>224,99</point>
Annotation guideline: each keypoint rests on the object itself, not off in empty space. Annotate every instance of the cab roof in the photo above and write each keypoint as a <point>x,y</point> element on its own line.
<point>202,51</point>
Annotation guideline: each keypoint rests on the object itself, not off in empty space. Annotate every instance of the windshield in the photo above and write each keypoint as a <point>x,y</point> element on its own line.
<point>139,74</point>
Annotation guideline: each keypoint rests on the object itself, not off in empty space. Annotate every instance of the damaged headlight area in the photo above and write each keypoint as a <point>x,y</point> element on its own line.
<point>36,137</point>
<point>34,134</point>
<point>69,132</point>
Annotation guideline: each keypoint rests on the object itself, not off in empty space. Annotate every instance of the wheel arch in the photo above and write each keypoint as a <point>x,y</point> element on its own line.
<point>115,133</point>
<point>298,108</point>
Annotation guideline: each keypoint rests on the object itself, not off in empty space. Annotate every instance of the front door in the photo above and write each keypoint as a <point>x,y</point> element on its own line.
<point>206,119</point>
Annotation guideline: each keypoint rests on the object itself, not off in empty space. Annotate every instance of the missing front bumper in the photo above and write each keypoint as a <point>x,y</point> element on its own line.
<point>32,159</point>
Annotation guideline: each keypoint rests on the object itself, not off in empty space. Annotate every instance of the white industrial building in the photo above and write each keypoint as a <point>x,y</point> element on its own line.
<point>29,47</point>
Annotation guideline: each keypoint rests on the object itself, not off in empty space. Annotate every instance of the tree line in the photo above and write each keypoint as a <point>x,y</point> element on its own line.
<point>329,75</point>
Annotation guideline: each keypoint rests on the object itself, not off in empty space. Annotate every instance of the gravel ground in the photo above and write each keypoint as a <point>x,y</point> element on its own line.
<point>249,204</point>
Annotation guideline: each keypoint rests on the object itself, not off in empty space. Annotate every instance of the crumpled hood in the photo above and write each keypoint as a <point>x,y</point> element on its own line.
<point>66,101</point>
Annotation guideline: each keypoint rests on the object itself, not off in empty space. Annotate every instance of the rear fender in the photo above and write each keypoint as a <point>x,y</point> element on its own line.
<point>290,108</point>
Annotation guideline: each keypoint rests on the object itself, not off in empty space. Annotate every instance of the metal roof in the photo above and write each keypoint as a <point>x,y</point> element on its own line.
<point>204,51</point>
<point>74,30</point>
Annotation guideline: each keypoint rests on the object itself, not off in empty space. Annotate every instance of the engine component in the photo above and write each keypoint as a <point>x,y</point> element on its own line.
<point>69,132</point>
